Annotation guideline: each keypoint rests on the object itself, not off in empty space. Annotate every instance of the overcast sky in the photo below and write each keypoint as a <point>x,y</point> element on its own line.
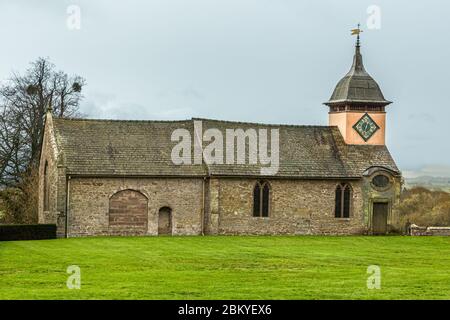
<point>271,61</point>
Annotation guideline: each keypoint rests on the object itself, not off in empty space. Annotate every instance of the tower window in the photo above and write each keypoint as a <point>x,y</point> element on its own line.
<point>343,196</point>
<point>261,199</point>
<point>381,181</point>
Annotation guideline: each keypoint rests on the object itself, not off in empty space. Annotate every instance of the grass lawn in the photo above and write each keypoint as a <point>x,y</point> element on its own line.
<point>227,268</point>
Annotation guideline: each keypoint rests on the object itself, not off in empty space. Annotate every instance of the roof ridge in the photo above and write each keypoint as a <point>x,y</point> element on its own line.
<point>264,124</point>
<point>117,120</point>
<point>189,120</point>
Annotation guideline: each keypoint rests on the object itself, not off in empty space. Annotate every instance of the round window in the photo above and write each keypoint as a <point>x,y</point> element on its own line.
<point>381,181</point>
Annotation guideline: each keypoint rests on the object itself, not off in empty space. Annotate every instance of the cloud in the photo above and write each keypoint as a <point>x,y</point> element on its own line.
<point>426,117</point>
<point>429,171</point>
<point>107,106</point>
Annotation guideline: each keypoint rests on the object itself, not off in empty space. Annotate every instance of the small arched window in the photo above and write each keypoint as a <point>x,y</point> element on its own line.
<point>261,199</point>
<point>46,187</point>
<point>343,201</point>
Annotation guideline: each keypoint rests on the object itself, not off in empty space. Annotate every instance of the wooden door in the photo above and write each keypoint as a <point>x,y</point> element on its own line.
<point>380,214</point>
<point>165,221</point>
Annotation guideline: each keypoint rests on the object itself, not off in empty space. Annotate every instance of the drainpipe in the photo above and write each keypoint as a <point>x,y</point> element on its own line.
<point>67,206</point>
<point>203,207</point>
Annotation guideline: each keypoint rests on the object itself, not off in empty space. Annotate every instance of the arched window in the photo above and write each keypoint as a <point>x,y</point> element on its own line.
<point>343,201</point>
<point>261,199</point>
<point>46,191</point>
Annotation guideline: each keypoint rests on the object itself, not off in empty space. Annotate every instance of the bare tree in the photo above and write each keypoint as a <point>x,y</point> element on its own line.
<point>24,100</point>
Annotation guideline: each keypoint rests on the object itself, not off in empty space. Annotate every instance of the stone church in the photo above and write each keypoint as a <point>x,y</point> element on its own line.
<point>112,177</point>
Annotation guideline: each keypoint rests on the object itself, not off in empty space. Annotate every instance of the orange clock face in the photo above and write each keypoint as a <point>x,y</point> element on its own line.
<point>366,127</point>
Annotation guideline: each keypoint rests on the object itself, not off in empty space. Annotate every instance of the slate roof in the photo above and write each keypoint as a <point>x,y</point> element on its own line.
<point>143,148</point>
<point>357,86</point>
<point>113,147</point>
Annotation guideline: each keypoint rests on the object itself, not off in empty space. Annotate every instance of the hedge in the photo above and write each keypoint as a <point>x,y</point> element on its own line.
<point>27,232</point>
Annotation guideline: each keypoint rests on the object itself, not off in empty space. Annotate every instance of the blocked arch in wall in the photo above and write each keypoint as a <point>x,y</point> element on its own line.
<point>128,212</point>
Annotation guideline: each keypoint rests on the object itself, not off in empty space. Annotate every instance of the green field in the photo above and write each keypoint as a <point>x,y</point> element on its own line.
<point>227,268</point>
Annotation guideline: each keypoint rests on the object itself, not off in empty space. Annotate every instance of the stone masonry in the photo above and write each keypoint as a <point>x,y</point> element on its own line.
<point>90,212</point>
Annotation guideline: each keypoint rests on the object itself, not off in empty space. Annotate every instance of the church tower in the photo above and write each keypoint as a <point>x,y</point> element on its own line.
<point>357,105</point>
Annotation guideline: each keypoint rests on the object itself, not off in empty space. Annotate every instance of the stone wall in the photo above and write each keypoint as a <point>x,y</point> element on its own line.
<point>415,230</point>
<point>56,181</point>
<point>89,200</point>
<point>389,195</point>
<point>297,207</point>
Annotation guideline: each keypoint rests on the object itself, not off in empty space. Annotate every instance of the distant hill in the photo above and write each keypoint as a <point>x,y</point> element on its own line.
<point>432,183</point>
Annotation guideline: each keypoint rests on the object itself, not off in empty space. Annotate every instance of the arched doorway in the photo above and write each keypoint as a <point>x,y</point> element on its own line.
<point>165,221</point>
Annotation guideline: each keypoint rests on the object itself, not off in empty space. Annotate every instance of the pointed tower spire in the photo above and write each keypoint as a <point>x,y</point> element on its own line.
<point>358,32</point>
<point>358,66</point>
<point>357,86</point>
<point>357,105</point>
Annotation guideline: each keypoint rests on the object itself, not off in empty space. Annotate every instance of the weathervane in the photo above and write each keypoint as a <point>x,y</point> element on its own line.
<point>357,31</point>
